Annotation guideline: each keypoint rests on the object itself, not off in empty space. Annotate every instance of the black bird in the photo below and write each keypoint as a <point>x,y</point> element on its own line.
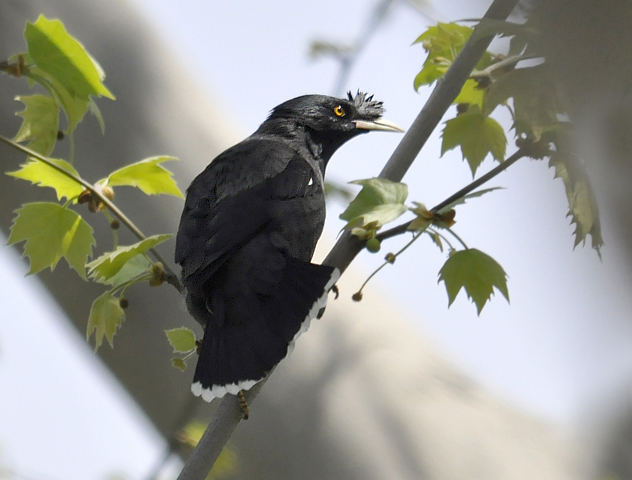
<point>249,227</point>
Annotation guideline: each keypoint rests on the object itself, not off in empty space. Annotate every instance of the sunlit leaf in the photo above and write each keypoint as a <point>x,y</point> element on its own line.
<point>148,175</point>
<point>43,175</point>
<point>52,232</point>
<point>477,273</point>
<point>75,108</point>
<point>476,135</point>
<point>40,123</point>
<point>181,339</point>
<point>110,263</point>
<point>61,56</point>
<point>443,42</point>
<point>134,267</point>
<point>380,201</point>
<point>106,316</point>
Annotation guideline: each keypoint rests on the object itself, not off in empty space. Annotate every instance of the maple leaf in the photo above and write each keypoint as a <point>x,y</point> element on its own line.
<point>52,232</point>
<point>148,175</point>
<point>43,175</point>
<point>477,135</point>
<point>40,123</point>
<point>63,58</point>
<point>379,202</point>
<point>477,273</point>
<point>109,264</point>
<point>181,339</point>
<point>106,316</point>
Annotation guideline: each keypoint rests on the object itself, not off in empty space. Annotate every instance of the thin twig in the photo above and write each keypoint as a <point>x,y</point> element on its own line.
<point>403,228</point>
<point>507,62</point>
<point>170,276</point>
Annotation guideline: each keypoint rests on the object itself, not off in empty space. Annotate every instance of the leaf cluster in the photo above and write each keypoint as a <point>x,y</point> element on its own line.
<point>71,79</point>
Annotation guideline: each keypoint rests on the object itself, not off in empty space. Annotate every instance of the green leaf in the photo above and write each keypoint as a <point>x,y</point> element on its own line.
<point>40,123</point>
<point>148,175</point>
<point>423,220</point>
<point>465,198</point>
<point>471,94</point>
<point>582,203</point>
<point>475,271</point>
<point>179,363</point>
<point>380,201</point>
<point>52,232</point>
<point>477,136</point>
<point>181,339</point>
<point>443,42</point>
<point>62,57</point>
<point>106,316</point>
<point>110,263</point>
<point>43,175</point>
<point>74,108</point>
<point>134,267</point>
<point>534,98</point>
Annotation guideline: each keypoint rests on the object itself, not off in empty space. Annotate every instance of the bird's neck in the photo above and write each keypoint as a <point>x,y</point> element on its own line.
<point>319,145</point>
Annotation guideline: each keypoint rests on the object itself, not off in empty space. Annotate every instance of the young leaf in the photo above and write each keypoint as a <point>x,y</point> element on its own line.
<point>380,201</point>
<point>106,316</point>
<point>443,42</point>
<point>40,123</point>
<point>477,136</point>
<point>62,57</point>
<point>110,263</point>
<point>52,232</point>
<point>582,203</point>
<point>133,268</point>
<point>181,339</point>
<point>43,175</point>
<point>471,94</point>
<point>475,271</point>
<point>148,175</point>
<point>423,220</point>
<point>179,363</point>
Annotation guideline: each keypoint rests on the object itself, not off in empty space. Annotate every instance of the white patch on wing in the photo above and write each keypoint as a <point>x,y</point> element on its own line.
<point>311,181</point>
<point>316,307</point>
<point>218,391</point>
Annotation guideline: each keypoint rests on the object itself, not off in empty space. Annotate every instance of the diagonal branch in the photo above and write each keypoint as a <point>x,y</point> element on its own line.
<point>348,246</point>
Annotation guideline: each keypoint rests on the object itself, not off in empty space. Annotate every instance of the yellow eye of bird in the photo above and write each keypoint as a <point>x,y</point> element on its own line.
<point>339,111</point>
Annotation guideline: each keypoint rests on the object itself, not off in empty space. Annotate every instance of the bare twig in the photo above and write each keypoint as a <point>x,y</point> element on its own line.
<point>448,87</point>
<point>170,276</point>
<point>507,62</point>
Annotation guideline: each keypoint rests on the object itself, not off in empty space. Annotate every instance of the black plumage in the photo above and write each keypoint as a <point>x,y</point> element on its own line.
<point>249,227</point>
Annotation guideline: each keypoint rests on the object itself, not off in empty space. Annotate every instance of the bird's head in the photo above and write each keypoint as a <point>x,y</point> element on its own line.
<point>328,121</point>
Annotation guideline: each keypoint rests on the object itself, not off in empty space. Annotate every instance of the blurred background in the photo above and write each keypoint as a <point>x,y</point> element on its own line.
<point>397,386</point>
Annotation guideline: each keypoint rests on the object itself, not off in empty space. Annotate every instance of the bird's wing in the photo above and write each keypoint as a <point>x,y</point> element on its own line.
<point>229,203</point>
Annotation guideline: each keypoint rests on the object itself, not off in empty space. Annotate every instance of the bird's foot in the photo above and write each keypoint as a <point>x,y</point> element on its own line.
<point>243,404</point>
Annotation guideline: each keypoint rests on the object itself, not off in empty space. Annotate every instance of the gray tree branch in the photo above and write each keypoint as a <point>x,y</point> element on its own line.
<point>447,89</point>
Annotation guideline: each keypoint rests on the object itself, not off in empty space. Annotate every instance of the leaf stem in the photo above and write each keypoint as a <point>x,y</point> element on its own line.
<point>171,277</point>
<point>458,238</point>
<point>403,228</point>
<point>507,62</point>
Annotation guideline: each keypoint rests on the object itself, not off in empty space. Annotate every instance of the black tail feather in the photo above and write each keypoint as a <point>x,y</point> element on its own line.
<point>235,355</point>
